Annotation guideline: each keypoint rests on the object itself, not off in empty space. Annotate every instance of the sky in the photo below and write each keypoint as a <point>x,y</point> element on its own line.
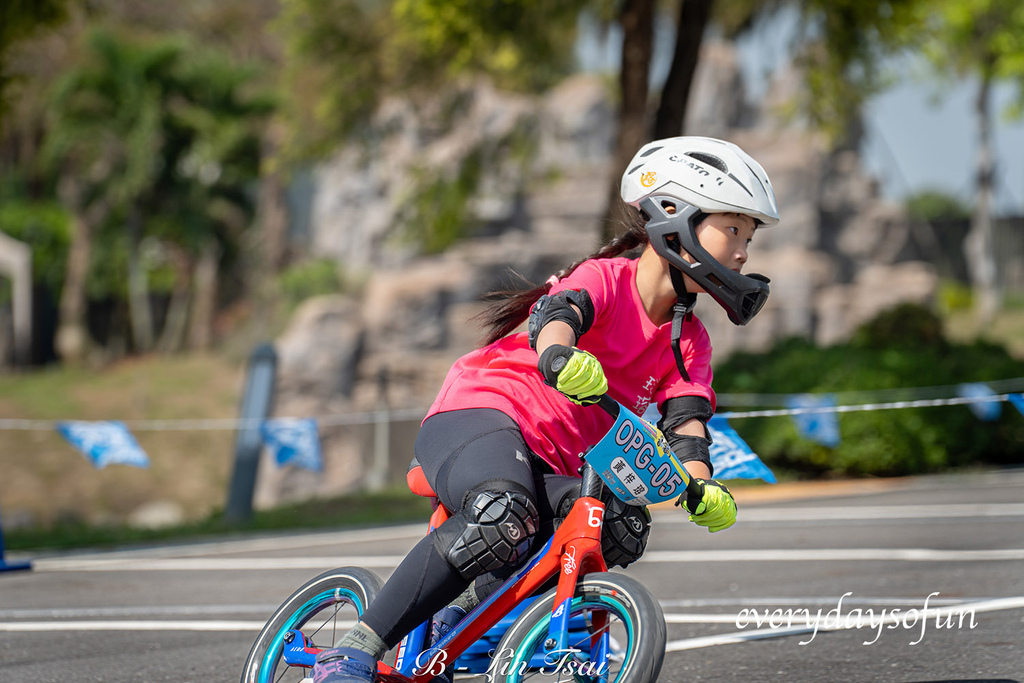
<point>915,143</point>
<point>916,140</point>
<point>919,135</point>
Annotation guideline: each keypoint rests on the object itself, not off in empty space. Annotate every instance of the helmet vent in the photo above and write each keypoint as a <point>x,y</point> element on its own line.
<point>710,160</point>
<point>650,152</point>
<point>634,169</point>
<point>738,182</point>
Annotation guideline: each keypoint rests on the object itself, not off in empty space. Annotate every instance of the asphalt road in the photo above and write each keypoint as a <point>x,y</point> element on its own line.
<point>826,588</point>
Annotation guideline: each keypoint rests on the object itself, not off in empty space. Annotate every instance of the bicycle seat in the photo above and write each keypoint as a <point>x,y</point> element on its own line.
<point>418,484</point>
<point>417,481</point>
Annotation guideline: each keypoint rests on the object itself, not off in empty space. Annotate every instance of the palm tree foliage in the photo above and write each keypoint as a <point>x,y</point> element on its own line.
<point>160,138</point>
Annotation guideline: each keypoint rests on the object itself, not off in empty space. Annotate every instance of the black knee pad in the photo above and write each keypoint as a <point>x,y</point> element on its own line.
<point>625,532</point>
<point>494,529</point>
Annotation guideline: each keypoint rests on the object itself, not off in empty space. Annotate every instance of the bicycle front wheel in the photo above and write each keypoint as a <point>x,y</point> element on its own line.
<point>323,610</point>
<point>604,603</point>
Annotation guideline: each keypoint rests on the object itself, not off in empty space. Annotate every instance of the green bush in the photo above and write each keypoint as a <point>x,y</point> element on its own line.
<point>438,212</point>
<point>955,296</point>
<point>310,278</point>
<point>900,349</point>
<point>45,227</point>
<point>936,205</point>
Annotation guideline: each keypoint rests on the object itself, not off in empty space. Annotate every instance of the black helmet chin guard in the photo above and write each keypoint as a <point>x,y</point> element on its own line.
<point>742,296</point>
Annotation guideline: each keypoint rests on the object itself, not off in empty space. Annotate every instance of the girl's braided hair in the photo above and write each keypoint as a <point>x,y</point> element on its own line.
<point>513,305</point>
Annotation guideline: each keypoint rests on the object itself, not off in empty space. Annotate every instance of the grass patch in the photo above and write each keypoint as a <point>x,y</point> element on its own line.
<point>45,480</point>
<point>361,509</point>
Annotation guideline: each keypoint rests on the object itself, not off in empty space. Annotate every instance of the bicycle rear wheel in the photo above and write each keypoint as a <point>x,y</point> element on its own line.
<point>631,616</point>
<point>323,609</point>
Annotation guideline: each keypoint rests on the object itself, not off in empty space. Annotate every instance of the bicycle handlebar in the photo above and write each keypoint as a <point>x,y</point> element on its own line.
<point>609,405</point>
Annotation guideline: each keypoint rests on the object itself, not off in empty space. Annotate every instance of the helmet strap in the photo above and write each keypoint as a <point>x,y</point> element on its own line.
<point>682,311</point>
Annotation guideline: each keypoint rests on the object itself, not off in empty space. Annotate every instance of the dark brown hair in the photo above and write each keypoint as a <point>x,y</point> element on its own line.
<point>512,306</point>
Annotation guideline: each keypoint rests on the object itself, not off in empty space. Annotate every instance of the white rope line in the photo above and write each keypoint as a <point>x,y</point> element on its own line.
<point>372,417</point>
<point>864,407</point>
<point>228,423</point>
<point>751,400</point>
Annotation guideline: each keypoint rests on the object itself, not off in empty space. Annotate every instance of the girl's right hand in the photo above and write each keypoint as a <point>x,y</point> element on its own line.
<point>575,373</point>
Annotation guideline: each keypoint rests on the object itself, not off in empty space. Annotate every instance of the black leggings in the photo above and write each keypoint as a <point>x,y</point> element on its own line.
<point>458,451</point>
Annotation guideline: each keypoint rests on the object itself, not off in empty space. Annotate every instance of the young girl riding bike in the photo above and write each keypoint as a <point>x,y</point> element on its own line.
<point>501,447</point>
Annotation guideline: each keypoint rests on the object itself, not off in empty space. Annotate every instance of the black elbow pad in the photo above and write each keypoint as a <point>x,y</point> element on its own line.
<point>679,409</point>
<point>559,306</point>
<point>687,448</point>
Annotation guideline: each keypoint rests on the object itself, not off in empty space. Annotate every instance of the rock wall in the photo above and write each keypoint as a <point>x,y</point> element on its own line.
<point>838,257</point>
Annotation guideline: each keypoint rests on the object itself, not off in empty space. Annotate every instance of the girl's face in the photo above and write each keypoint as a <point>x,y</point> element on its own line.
<point>726,237</point>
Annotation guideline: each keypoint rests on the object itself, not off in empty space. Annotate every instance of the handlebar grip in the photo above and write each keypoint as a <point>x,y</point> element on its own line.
<point>692,488</point>
<point>609,405</point>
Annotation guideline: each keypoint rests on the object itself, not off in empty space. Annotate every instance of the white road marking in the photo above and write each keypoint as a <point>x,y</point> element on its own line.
<point>129,625</point>
<point>239,625</point>
<point>72,564</point>
<point>700,618</point>
<point>756,515</point>
<point>861,512</point>
<point>802,601</point>
<point>159,625</point>
<point>412,531</point>
<point>75,564</point>
<point>993,605</point>
<point>835,555</point>
<point>138,611</point>
<point>954,607</point>
<point>270,543</point>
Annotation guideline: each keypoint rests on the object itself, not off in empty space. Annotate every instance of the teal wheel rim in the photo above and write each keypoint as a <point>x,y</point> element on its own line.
<point>298,618</point>
<point>538,634</point>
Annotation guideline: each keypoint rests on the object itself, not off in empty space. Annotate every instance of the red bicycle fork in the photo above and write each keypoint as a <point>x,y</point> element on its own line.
<point>574,552</point>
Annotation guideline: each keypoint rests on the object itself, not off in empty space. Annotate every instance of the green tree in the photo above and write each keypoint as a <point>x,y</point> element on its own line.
<point>106,132</point>
<point>342,57</point>
<point>839,49</point>
<point>844,47</point>
<point>19,20</point>
<point>844,53</point>
<point>979,38</point>
<point>160,136</point>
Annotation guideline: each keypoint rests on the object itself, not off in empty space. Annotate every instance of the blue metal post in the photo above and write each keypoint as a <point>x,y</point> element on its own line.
<point>256,406</point>
<point>10,566</point>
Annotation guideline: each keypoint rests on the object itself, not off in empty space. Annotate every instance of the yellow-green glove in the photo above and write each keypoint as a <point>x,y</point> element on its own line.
<point>711,505</point>
<point>575,373</point>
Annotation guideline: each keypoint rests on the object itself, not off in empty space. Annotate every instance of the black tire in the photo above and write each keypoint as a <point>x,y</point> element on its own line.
<point>338,597</point>
<point>635,621</point>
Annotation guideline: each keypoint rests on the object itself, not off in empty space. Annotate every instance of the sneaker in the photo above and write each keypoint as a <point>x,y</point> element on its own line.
<point>442,624</point>
<point>345,665</point>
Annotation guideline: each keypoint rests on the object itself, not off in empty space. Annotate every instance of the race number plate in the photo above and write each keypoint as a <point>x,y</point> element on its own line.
<point>634,460</point>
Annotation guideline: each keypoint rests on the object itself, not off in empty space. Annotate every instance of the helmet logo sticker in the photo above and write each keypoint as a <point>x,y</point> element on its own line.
<point>648,179</point>
<point>686,162</point>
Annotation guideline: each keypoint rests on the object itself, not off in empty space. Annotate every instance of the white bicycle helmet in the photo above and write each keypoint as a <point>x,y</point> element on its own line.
<point>699,176</point>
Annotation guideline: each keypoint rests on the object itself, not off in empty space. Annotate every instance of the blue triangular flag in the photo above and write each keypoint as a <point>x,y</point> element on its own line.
<point>732,457</point>
<point>1018,401</point>
<point>104,443</point>
<point>822,427</point>
<point>985,410</point>
<point>293,441</point>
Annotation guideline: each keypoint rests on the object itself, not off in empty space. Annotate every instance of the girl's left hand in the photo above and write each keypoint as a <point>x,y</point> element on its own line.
<point>714,509</point>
